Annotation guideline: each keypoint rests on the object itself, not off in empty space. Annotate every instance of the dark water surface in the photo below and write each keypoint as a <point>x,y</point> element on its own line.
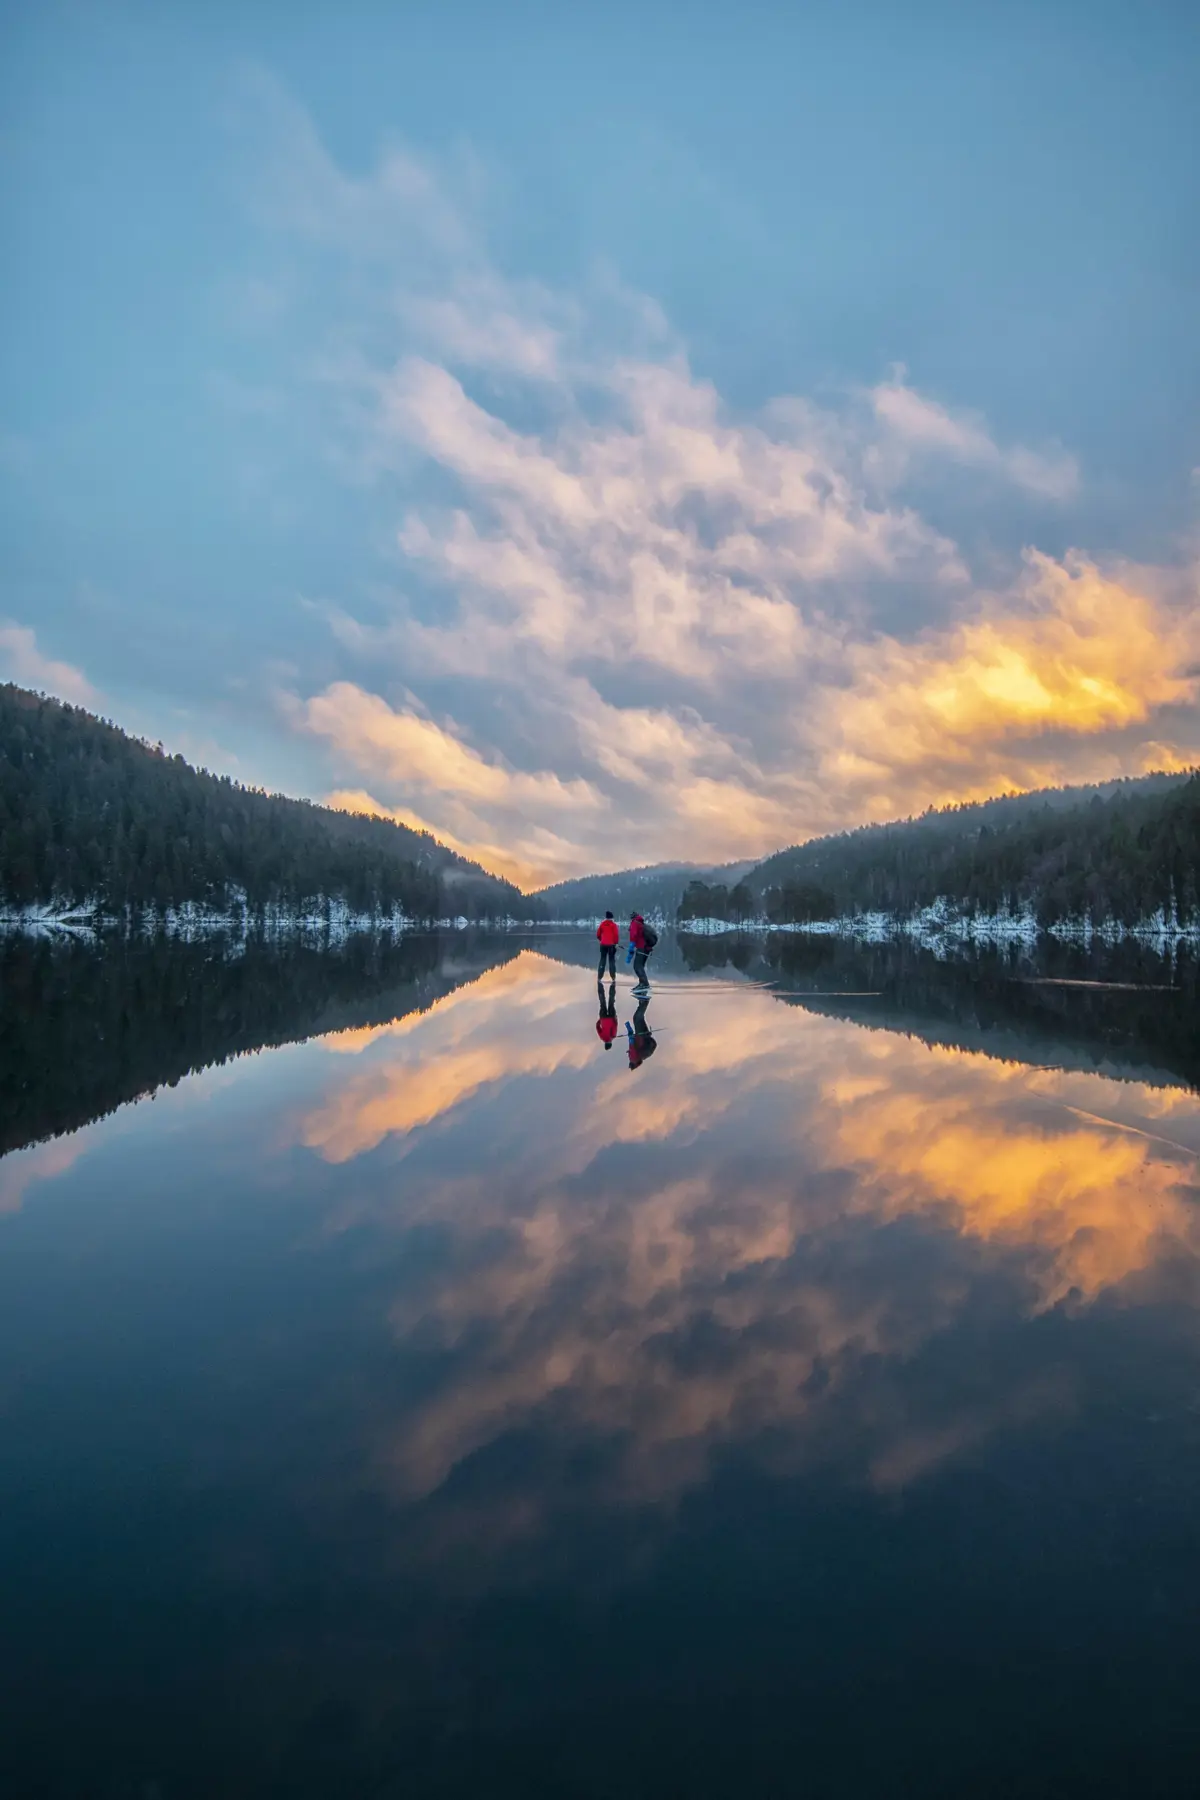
<point>433,1404</point>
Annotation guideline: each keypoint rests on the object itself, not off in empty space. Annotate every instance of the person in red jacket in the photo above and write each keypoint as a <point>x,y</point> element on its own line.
<point>609,933</point>
<point>606,1024</point>
<point>642,946</point>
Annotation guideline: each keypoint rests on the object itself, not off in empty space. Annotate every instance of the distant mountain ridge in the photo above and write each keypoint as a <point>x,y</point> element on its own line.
<point>656,888</point>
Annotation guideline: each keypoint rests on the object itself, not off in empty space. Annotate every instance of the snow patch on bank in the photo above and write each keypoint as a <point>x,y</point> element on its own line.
<point>331,921</point>
<point>944,925</point>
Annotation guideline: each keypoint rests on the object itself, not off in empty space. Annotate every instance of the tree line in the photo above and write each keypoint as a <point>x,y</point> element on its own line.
<point>717,900</point>
<point>1120,853</point>
<point>92,816</point>
<point>653,889</point>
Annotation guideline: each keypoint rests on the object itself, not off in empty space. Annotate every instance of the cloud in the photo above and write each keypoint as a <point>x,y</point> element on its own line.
<point>367,730</point>
<point>630,613</point>
<point>1069,660</point>
<point>666,535</point>
<point>919,426</point>
<point>475,797</point>
<point>500,858</point>
<point>21,661</point>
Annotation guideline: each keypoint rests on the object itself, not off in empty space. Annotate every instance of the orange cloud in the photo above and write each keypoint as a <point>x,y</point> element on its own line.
<point>494,857</point>
<point>508,819</point>
<point>987,705</point>
<point>1070,677</point>
<point>367,730</point>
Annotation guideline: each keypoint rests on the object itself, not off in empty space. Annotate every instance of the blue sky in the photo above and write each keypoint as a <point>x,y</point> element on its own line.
<point>608,433</point>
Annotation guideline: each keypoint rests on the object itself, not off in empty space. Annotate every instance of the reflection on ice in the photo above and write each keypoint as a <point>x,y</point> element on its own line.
<point>462,1388</point>
<point>745,1245</point>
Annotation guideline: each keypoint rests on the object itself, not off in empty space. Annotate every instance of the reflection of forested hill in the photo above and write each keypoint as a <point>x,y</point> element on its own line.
<point>1005,1008</point>
<point>83,1031</point>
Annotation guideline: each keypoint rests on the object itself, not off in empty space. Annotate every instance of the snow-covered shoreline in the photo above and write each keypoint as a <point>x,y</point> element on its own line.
<point>944,924</point>
<point>332,922</point>
<point>938,927</point>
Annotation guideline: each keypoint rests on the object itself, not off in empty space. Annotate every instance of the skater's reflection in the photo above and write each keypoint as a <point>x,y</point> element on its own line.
<point>641,1040</point>
<point>606,1024</point>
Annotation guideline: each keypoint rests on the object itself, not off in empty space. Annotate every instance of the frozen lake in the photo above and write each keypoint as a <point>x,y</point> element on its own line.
<point>449,1404</point>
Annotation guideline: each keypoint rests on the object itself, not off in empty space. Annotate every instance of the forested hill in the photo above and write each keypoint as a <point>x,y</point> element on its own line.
<point>90,814</point>
<point>1117,852</point>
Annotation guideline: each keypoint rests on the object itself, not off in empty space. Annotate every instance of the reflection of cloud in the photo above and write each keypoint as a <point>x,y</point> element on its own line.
<point>436,1069</point>
<point>42,1162</point>
<point>913,1453</point>
<point>395,1101</point>
<point>1093,1200</point>
<point>706,1256</point>
<point>633,602</point>
<point>23,662</point>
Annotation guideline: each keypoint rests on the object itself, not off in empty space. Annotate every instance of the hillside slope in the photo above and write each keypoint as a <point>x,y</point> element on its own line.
<point>90,814</point>
<point>1120,851</point>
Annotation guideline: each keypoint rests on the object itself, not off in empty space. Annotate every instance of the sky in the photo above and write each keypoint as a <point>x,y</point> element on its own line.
<point>605,435</point>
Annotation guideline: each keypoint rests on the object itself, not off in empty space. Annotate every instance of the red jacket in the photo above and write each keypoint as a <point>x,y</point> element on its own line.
<point>606,1030</point>
<point>609,932</point>
<point>637,936</point>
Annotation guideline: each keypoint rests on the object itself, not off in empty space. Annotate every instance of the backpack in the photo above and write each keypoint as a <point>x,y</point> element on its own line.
<point>649,937</point>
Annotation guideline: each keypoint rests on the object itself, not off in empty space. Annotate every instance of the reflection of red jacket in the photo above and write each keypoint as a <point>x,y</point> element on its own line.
<point>637,935</point>
<point>609,932</point>
<point>606,1029</point>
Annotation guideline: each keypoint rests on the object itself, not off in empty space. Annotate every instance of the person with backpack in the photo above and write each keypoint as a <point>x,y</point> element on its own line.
<point>643,937</point>
<point>609,933</point>
<point>642,1042</point>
